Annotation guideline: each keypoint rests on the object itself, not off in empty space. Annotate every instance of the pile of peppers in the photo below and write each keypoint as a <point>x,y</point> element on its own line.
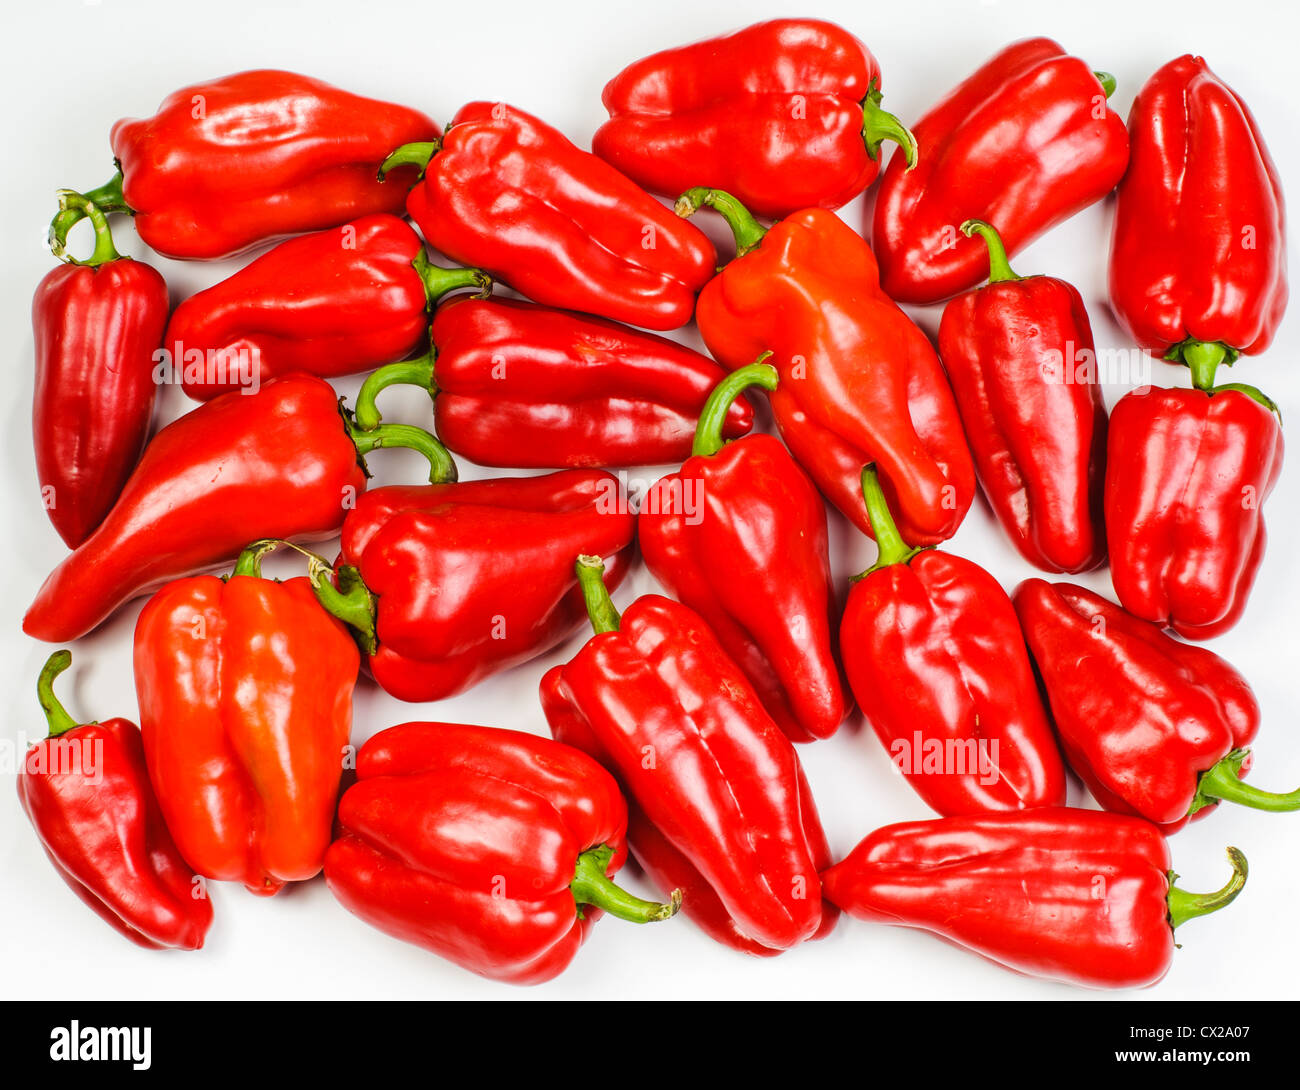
<point>675,719</point>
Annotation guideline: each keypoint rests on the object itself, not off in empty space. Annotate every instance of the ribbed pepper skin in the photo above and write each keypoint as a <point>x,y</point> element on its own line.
<point>1199,248</point>
<point>511,195</point>
<point>1186,480</point>
<point>463,840</point>
<point>1073,895</point>
<point>1025,142</point>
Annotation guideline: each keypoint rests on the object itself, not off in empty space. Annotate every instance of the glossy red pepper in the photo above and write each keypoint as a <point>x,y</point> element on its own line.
<point>245,688</point>
<point>718,803</point>
<point>250,158</point>
<point>1198,255</point>
<point>1020,356</point>
<point>1023,143</point>
<point>860,382</point>
<point>448,584</point>
<point>518,385</point>
<point>1153,726</point>
<point>331,303</point>
<point>784,114</point>
<point>491,848</point>
<point>508,193</point>
<point>86,792</point>
<point>1078,896</point>
<point>96,324</point>
<point>934,655</point>
<point>738,534</point>
<point>281,462</point>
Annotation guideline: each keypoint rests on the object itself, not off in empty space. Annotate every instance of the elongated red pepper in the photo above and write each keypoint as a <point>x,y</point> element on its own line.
<point>1023,143</point>
<point>331,303</point>
<point>1187,475</point>
<point>97,324</point>
<point>1153,727</point>
<point>739,536</point>
<point>1021,359</point>
<point>934,655</point>
<point>492,848</point>
<point>249,158</point>
<point>283,462</point>
<point>1073,895</point>
<point>719,806</point>
<point>784,114</point>
<point>448,584</point>
<point>1198,255</point>
<point>86,791</point>
<point>514,384</point>
<point>245,688</point>
<point>860,382</point>
<point>508,193</point>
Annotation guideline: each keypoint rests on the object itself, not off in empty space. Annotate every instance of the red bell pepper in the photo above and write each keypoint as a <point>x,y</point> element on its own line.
<point>718,803</point>
<point>245,688</point>
<point>1073,895</point>
<point>1199,251</point>
<point>510,194</point>
<point>514,384</point>
<point>1187,475</point>
<point>784,114</point>
<point>330,303</point>
<point>1020,356</point>
<point>859,383</point>
<point>253,157</point>
<point>739,536</point>
<point>448,584</point>
<point>1153,727</point>
<point>1024,143</point>
<point>97,324</point>
<point>86,791</point>
<point>936,660</point>
<point>492,848</point>
<point>283,462</point>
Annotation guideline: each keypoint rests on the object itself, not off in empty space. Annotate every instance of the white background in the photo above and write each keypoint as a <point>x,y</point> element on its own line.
<point>73,68</point>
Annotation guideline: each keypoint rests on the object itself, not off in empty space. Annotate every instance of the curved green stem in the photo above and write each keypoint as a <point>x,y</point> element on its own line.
<point>56,715</point>
<point>1223,783</point>
<point>418,372</point>
<point>1202,359</point>
<point>344,594</point>
<point>439,280</point>
<point>417,154</point>
<point>1107,82</point>
<point>713,417</point>
<point>591,886</point>
<point>879,125</point>
<point>249,562</point>
<point>891,547</point>
<point>600,606</point>
<point>442,470</point>
<point>105,251</point>
<point>999,267</point>
<point>1184,906</point>
<point>1252,392</point>
<point>746,229</point>
<point>107,198</point>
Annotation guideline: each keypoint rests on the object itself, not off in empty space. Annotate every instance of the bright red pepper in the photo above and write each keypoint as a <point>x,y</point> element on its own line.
<point>86,791</point>
<point>245,688</point>
<point>514,384</point>
<point>784,114</point>
<point>738,534</point>
<point>1199,251</point>
<point>718,803</point>
<point>448,584</point>
<point>282,462</point>
<point>860,382</point>
<point>1024,143</point>
<point>492,848</point>
<point>1153,727</point>
<point>1073,895</point>
<point>1020,356</point>
<point>508,193</point>
<point>250,158</point>
<point>934,655</point>
<point>331,303</point>
<point>97,324</point>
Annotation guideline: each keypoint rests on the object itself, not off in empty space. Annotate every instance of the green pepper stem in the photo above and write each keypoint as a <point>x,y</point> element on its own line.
<point>1184,906</point>
<point>417,154</point>
<point>1252,392</point>
<point>591,886</point>
<point>999,267</point>
<point>1107,82</point>
<point>107,198</point>
<point>600,606</point>
<point>344,595</point>
<point>891,548</point>
<point>249,562</point>
<point>1223,782</point>
<point>879,125</point>
<point>418,372</point>
<point>439,280</point>
<point>56,715</point>
<point>442,470</point>
<point>104,250</point>
<point>1203,360</point>
<point>713,417</point>
<point>746,229</point>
